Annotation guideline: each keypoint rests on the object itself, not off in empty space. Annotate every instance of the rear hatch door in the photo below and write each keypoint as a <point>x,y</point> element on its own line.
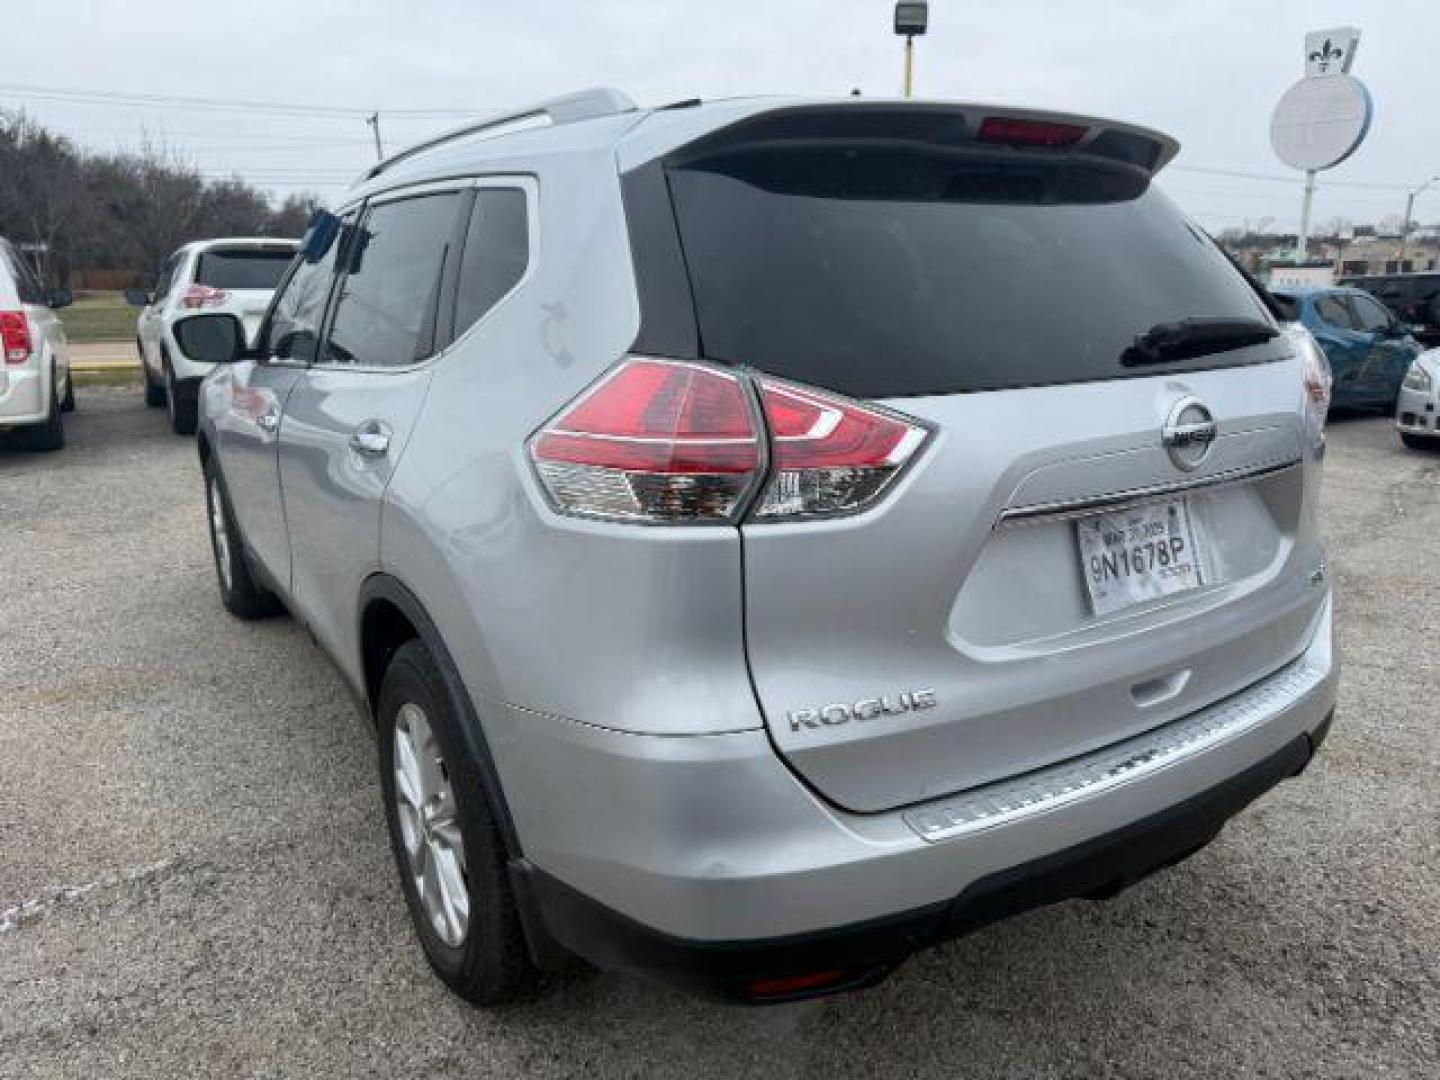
<point>248,274</point>
<point>1049,576</point>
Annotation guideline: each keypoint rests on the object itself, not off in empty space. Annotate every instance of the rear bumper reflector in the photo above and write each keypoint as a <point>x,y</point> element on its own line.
<point>1048,789</point>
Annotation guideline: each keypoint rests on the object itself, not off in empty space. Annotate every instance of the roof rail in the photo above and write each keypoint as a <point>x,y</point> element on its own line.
<point>582,105</point>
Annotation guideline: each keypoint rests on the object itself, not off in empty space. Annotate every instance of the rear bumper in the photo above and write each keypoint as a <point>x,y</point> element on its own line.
<point>704,861</point>
<point>850,957</point>
<point>24,396</point>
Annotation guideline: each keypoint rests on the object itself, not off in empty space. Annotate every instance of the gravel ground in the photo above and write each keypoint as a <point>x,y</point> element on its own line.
<point>194,879</point>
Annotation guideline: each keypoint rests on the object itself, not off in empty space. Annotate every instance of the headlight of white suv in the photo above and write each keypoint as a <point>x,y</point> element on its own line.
<point>1417,378</point>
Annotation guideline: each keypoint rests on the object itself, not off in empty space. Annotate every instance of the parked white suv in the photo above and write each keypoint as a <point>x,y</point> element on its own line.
<point>35,385</point>
<point>235,275</point>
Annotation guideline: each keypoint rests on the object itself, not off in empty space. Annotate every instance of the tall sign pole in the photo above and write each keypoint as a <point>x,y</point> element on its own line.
<point>1323,118</point>
<point>911,20</point>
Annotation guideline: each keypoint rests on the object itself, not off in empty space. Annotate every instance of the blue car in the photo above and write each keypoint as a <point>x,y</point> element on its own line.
<point>1369,351</point>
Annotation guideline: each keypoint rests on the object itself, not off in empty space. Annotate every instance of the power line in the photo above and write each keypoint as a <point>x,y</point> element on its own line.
<point>184,102</point>
<point>1280,178</point>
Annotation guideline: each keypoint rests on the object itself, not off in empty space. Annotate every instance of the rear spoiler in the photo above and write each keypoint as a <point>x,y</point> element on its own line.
<point>938,124</point>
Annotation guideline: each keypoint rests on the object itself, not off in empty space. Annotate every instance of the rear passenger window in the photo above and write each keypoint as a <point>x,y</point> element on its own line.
<point>1333,310</point>
<point>385,316</point>
<point>497,251</point>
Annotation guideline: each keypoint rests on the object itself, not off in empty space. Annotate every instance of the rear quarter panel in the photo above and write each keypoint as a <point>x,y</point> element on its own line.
<point>624,627</point>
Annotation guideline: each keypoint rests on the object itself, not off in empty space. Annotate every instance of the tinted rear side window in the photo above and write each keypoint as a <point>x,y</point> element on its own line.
<point>497,251</point>
<point>881,272</point>
<point>242,269</point>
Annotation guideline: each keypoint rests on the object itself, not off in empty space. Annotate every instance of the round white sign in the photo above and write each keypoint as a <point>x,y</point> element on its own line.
<point>1320,121</point>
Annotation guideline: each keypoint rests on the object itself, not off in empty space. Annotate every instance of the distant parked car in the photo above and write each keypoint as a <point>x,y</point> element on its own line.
<point>1369,349</point>
<point>35,385</point>
<point>1417,414</point>
<point>234,275</point>
<point>1411,298</point>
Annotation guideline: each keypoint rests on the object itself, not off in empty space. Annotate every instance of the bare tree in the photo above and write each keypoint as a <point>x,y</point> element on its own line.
<point>41,192</point>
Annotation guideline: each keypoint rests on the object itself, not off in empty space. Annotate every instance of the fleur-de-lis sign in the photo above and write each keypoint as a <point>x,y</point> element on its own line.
<point>1326,55</point>
<point>1329,52</point>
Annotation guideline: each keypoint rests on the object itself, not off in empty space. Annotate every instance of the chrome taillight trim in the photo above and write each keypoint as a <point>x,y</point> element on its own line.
<point>1127,762</point>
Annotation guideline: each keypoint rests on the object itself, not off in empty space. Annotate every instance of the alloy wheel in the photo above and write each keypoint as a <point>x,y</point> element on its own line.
<point>220,534</point>
<point>430,826</point>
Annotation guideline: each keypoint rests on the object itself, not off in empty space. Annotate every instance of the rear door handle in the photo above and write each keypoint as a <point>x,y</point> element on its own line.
<point>268,422</point>
<point>371,440</point>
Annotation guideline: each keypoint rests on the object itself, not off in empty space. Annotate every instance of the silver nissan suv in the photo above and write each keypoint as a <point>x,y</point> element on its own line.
<point>770,537</point>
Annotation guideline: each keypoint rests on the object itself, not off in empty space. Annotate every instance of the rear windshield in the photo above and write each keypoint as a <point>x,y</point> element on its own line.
<point>242,269</point>
<point>886,273</point>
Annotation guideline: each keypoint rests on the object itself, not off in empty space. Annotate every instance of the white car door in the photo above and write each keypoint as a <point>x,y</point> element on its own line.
<point>150,325</point>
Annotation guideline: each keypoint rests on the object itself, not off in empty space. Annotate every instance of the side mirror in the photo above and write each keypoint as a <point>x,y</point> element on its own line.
<point>213,338</point>
<point>58,298</point>
<point>1397,330</point>
<point>323,229</point>
<point>138,297</point>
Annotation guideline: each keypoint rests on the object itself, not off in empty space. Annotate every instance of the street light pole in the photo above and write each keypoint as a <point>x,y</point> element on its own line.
<point>911,19</point>
<point>1405,225</point>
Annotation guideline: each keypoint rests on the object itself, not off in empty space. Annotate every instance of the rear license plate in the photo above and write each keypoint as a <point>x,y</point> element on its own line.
<point>1139,554</point>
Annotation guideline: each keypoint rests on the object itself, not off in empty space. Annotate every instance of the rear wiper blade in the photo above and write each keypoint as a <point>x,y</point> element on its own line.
<point>1189,338</point>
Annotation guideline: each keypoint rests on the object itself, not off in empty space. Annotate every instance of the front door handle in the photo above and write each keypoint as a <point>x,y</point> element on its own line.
<point>371,440</point>
<point>268,422</point>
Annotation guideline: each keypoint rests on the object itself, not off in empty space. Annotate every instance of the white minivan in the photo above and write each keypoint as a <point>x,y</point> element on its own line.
<point>35,385</point>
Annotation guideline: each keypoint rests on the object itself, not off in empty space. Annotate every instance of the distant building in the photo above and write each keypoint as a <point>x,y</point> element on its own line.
<point>1271,256</point>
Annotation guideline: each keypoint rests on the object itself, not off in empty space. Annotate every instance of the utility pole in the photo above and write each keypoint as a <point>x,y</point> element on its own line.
<point>1405,225</point>
<point>373,120</point>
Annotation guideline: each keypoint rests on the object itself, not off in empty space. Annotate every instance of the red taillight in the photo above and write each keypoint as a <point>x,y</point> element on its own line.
<point>829,455</point>
<point>666,440</point>
<point>203,296</point>
<point>1014,131</point>
<point>15,336</point>
<point>790,985</point>
<point>654,440</point>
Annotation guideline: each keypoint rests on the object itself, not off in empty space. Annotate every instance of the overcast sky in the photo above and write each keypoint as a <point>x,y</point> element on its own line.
<point>1208,73</point>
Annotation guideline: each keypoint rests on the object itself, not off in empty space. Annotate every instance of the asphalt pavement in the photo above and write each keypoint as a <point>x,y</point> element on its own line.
<point>195,881</point>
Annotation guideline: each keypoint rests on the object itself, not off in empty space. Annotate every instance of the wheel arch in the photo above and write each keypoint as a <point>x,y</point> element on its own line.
<point>389,616</point>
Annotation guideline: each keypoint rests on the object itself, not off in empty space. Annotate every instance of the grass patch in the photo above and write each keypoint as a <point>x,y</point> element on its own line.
<point>99,316</point>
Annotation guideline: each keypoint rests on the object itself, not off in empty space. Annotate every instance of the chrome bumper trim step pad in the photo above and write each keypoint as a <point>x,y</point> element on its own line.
<point>1104,770</point>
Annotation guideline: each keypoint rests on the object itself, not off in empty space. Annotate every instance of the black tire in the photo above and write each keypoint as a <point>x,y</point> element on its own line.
<point>1427,443</point>
<point>182,402</point>
<point>491,964</point>
<point>154,392</point>
<point>49,434</point>
<point>242,596</point>
<point>67,403</point>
